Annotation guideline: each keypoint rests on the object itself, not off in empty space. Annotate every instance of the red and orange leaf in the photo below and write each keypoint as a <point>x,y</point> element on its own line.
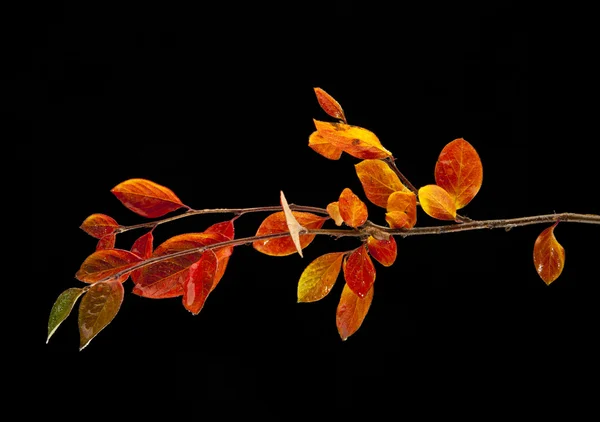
<point>165,279</point>
<point>359,271</point>
<point>351,311</point>
<point>99,225</point>
<point>276,223</point>
<point>319,276</point>
<point>147,198</point>
<point>384,251</point>
<point>323,147</point>
<point>106,263</point>
<point>107,242</point>
<point>352,210</point>
<point>459,171</point>
<point>333,209</point>
<point>548,255</point>
<point>329,104</point>
<point>227,229</point>
<point>379,181</point>
<point>354,140</point>
<point>401,210</point>
<point>97,309</point>
<point>199,282</point>
<point>142,247</point>
<point>437,203</point>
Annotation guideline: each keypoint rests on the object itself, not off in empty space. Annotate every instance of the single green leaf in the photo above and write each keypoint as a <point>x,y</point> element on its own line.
<point>62,308</point>
<point>98,308</point>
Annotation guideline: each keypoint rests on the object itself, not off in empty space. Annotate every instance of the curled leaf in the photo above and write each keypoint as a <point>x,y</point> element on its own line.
<point>437,203</point>
<point>99,225</point>
<point>319,276</point>
<point>401,210</point>
<point>359,271</point>
<point>351,311</point>
<point>352,210</point>
<point>98,308</point>
<point>329,104</point>
<point>199,282</point>
<point>322,146</point>
<point>459,171</point>
<point>354,140</point>
<point>62,308</point>
<point>548,255</point>
<point>333,209</point>
<point>106,263</point>
<point>147,198</point>
<point>293,226</point>
<point>379,181</point>
<point>384,251</point>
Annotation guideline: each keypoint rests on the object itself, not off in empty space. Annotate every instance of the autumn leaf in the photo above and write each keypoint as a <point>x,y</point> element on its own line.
<point>62,308</point>
<point>329,104</point>
<point>165,278</point>
<point>227,229</point>
<point>437,203</point>
<point>199,282</point>
<point>384,251</point>
<point>99,225</point>
<point>459,171</point>
<point>379,181</point>
<point>401,210</point>
<point>322,146</point>
<point>276,223</point>
<point>354,140</point>
<point>107,242</point>
<point>351,311</point>
<point>142,247</point>
<point>359,271</point>
<point>333,209</point>
<point>147,198</point>
<point>548,255</point>
<point>98,308</point>
<point>293,226</point>
<point>352,210</point>
<point>319,276</point>
<point>106,263</point>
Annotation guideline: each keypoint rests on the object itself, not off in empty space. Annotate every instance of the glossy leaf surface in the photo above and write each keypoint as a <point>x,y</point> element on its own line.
<point>401,210</point>
<point>459,171</point>
<point>359,271</point>
<point>384,251</point>
<point>99,225</point>
<point>351,311</point>
<point>106,263</point>
<point>62,308</point>
<point>333,209</point>
<point>354,140</point>
<point>142,247</point>
<point>329,104</point>
<point>276,223</point>
<point>199,282</point>
<point>227,229</point>
<point>548,255</point>
<point>319,276</point>
<point>107,242</point>
<point>379,181</point>
<point>147,198</point>
<point>98,308</point>
<point>437,203</point>
<point>322,146</point>
<point>352,209</point>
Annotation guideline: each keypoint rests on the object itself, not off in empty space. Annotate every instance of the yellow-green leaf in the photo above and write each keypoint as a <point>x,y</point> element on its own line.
<point>62,308</point>
<point>319,276</point>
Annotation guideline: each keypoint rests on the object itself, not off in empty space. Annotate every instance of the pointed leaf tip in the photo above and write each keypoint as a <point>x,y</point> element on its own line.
<point>147,198</point>
<point>62,309</point>
<point>293,226</point>
<point>548,255</point>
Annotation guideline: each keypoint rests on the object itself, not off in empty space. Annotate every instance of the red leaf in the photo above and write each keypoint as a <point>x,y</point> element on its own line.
<point>276,223</point>
<point>351,311</point>
<point>359,271</point>
<point>97,309</point>
<point>352,210</point>
<point>199,282</point>
<point>227,229</point>
<point>99,225</point>
<point>107,242</point>
<point>384,251</point>
<point>548,255</point>
<point>142,247</point>
<point>329,104</point>
<point>146,198</point>
<point>106,263</point>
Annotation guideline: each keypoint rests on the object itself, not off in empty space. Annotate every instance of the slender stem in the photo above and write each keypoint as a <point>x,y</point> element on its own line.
<point>391,161</point>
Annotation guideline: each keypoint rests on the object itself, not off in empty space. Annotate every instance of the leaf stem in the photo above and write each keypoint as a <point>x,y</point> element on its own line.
<point>391,161</point>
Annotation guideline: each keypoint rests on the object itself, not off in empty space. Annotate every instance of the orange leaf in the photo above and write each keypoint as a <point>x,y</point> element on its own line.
<point>333,209</point>
<point>359,271</point>
<point>146,198</point>
<point>164,279</point>
<point>352,210</point>
<point>319,276</point>
<point>459,171</point>
<point>99,225</point>
<point>276,223</point>
<point>401,210</point>
<point>323,147</point>
<point>548,255</point>
<point>384,251</point>
<point>97,309</point>
<point>351,311</point>
<point>107,242</point>
<point>329,104</point>
<point>199,282</point>
<point>142,247</point>
<point>437,203</point>
<point>378,180</point>
<point>356,141</point>
<point>227,229</point>
<point>106,263</point>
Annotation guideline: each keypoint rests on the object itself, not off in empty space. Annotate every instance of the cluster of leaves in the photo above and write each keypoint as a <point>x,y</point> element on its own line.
<point>191,265</point>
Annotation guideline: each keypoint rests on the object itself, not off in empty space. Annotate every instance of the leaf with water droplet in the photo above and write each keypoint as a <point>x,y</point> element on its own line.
<point>384,251</point>
<point>99,225</point>
<point>359,271</point>
<point>353,210</point>
<point>548,255</point>
<point>319,276</point>
<point>329,104</point>
<point>351,311</point>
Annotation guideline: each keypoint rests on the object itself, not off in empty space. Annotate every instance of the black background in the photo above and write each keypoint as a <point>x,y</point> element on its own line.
<point>217,102</point>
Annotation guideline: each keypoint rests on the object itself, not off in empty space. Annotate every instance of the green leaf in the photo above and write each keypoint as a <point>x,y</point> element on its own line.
<point>98,308</point>
<point>62,308</point>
